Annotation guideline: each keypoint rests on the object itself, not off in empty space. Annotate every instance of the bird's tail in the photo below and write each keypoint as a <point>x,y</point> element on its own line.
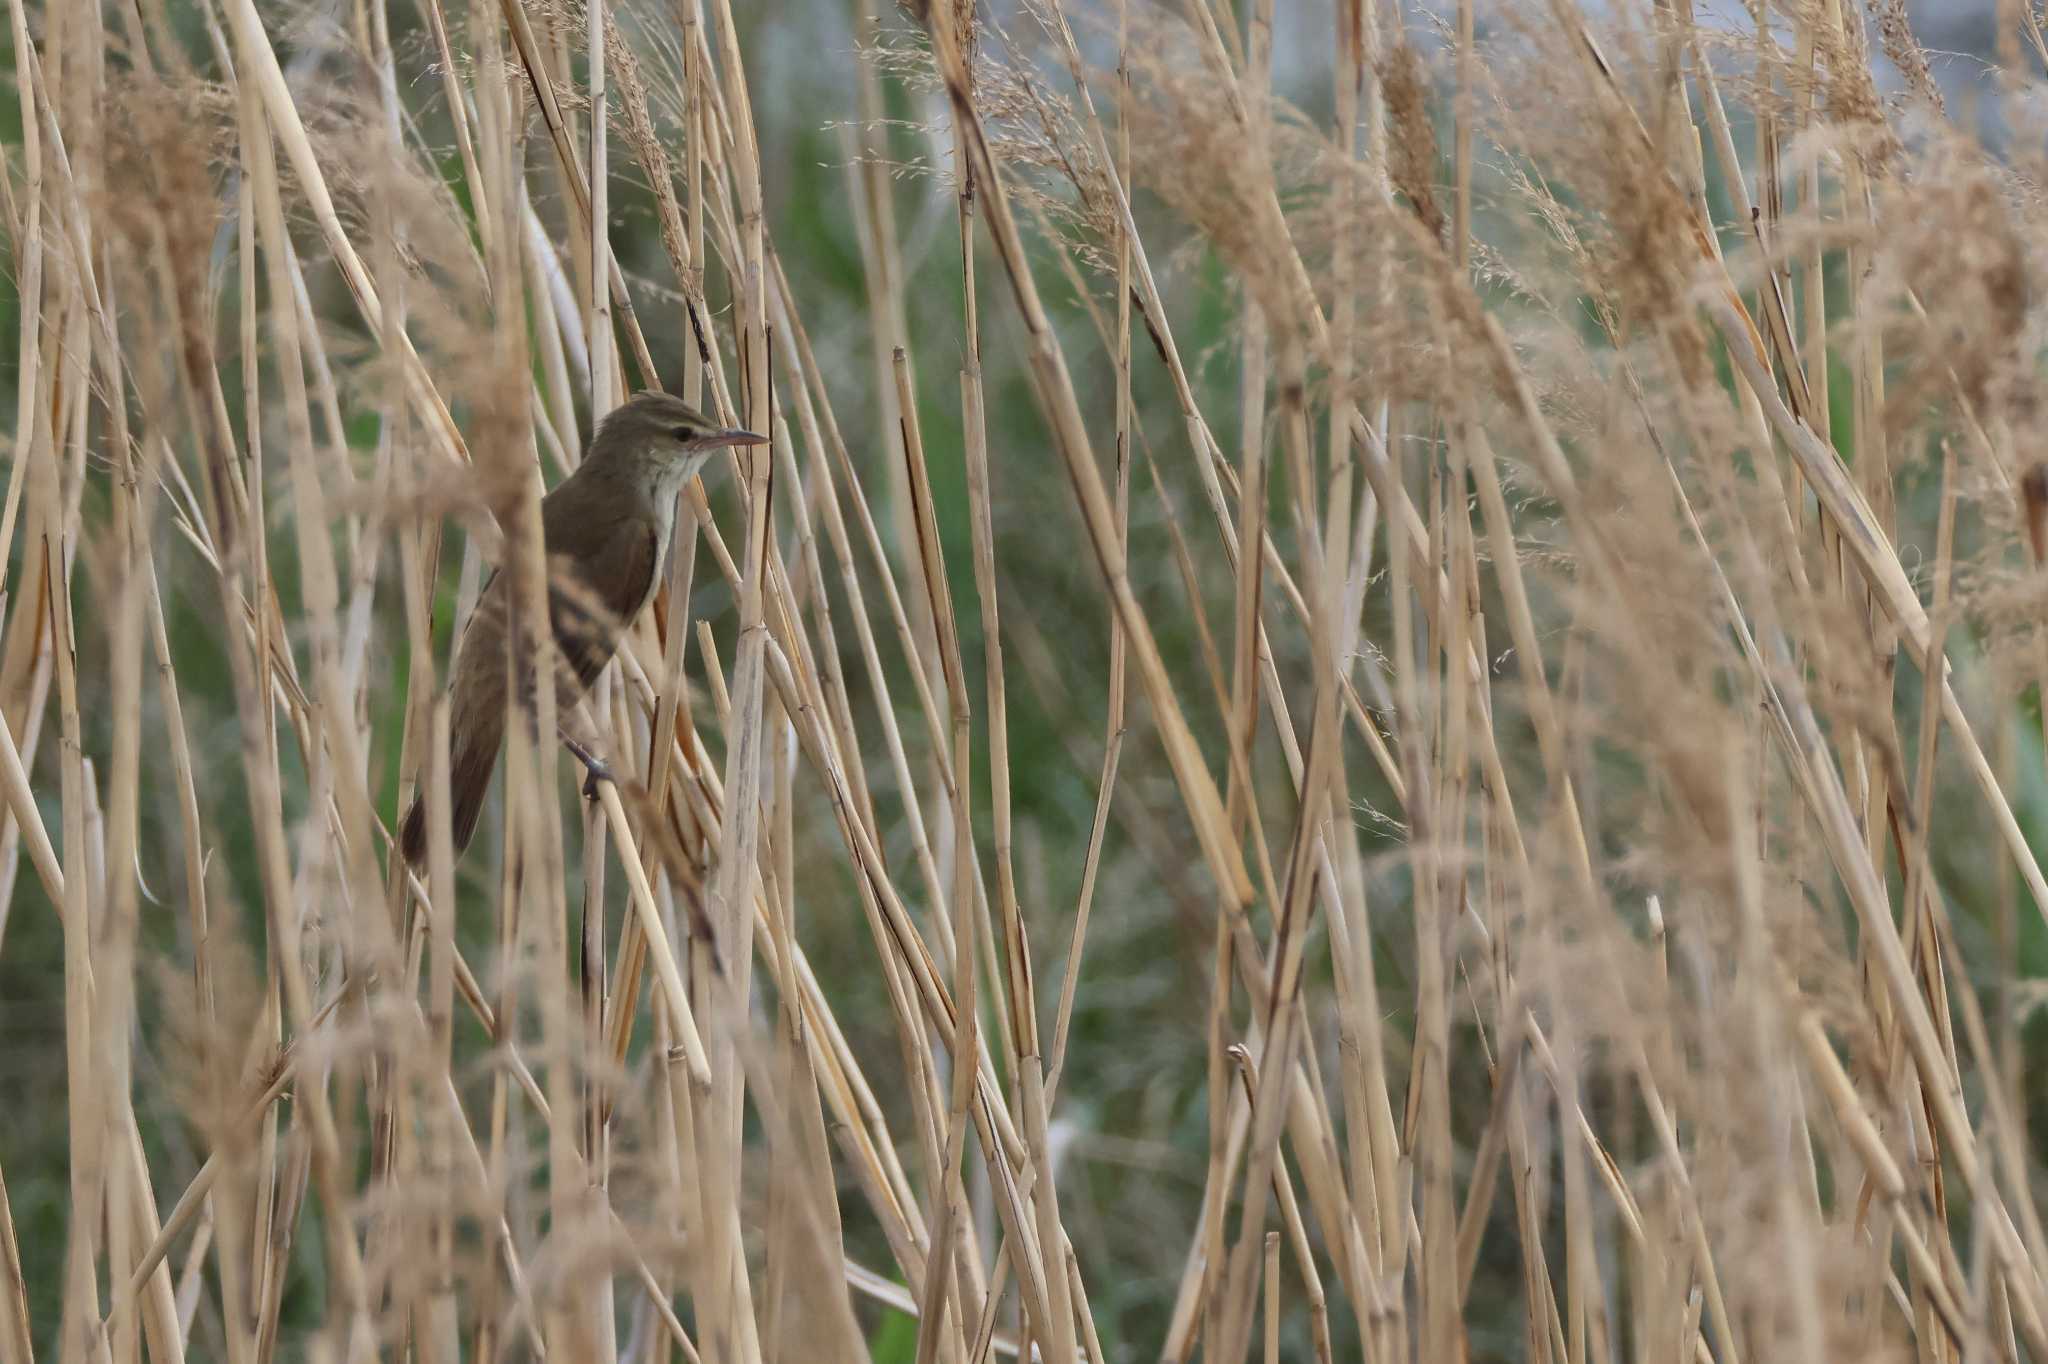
<point>474,756</point>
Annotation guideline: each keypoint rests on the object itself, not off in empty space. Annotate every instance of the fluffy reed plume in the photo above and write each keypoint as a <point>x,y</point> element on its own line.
<point>1379,699</point>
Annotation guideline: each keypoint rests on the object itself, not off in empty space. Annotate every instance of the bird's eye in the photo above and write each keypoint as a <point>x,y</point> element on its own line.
<point>681,433</point>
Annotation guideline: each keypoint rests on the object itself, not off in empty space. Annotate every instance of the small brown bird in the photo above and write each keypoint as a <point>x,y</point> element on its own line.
<point>606,529</point>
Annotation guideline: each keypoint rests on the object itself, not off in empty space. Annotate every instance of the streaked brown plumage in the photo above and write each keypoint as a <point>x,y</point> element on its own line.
<point>606,528</point>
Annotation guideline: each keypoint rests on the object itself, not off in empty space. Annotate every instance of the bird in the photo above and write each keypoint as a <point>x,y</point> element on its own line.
<point>605,529</point>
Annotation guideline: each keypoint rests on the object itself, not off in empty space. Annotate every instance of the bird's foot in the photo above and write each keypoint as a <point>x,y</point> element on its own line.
<point>595,769</point>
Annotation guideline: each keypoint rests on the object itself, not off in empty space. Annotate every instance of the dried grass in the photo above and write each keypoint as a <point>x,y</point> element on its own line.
<point>1545,883</point>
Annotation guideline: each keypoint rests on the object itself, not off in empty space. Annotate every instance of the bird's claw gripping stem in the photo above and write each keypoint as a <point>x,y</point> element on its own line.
<point>595,769</point>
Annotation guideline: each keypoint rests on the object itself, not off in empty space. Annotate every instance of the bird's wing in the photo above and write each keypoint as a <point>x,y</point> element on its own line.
<point>602,562</point>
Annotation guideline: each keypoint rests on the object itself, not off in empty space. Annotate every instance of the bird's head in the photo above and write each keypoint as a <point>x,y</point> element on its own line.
<point>673,438</point>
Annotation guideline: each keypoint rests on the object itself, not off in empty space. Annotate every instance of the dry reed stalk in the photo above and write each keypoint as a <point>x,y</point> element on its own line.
<point>1644,669</point>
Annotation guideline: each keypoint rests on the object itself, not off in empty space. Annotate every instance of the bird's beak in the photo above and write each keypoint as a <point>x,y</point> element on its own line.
<point>712,440</point>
